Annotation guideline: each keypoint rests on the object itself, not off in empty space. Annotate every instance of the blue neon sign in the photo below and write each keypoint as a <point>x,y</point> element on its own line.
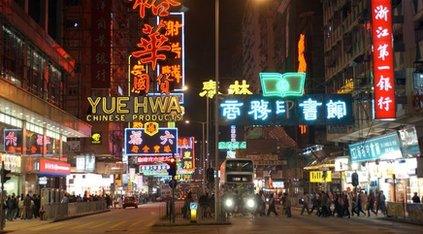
<point>331,109</point>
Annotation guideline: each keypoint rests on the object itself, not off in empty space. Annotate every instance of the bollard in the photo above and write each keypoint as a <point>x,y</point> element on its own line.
<point>193,206</point>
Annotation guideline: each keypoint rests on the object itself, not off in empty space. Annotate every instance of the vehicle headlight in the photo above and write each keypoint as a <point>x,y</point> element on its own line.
<point>229,202</point>
<point>251,203</point>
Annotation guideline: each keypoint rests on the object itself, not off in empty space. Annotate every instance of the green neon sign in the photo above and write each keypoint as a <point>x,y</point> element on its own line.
<point>232,145</point>
<point>275,84</point>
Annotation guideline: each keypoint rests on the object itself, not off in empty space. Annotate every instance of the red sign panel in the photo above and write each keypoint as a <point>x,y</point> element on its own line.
<point>52,167</point>
<point>100,43</point>
<point>171,73</point>
<point>383,60</point>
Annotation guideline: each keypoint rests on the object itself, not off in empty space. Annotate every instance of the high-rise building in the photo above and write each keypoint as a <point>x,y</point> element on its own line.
<point>95,34</point>
<point>34,69</point>
<point>348,62</point>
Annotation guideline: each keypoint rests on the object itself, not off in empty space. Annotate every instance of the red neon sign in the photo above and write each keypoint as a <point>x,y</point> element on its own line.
<point>383,60</point>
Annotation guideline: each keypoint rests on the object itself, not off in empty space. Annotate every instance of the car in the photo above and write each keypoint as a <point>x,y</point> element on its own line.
<point>130,202</point>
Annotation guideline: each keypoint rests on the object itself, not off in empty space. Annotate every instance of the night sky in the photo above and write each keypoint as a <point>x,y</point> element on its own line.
<point>200,49</point>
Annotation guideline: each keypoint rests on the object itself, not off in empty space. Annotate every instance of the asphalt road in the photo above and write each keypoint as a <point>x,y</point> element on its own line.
<point>141,220</point>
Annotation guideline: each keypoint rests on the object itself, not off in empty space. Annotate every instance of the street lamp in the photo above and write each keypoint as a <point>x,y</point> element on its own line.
<point>216,108</point>
<point>203,149</point>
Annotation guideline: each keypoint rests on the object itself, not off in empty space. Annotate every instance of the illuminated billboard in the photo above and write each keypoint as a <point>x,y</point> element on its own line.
<point>139,143</point>
<point>330,109</point>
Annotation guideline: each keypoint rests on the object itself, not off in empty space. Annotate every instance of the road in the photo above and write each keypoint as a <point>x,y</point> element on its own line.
<point>141,220</point>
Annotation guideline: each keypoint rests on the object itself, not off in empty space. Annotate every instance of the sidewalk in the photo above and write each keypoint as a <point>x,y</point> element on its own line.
<point>24,224</point>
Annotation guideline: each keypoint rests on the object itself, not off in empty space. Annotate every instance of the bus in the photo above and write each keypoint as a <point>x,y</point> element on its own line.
<point>236,185</point>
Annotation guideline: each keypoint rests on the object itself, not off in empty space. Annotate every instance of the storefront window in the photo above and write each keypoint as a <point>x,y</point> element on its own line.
<point>55,86</point>
<point>36,63</point>
<point>13,57</point>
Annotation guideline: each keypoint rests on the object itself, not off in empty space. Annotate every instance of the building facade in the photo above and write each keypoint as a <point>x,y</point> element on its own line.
<point>34,69</point>
<point>349,69</point>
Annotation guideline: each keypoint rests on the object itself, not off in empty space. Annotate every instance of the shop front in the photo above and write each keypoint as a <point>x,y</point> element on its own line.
<point>386,163</point>
<point>52,174</point>
<point>88,183</point>
<point>12,163</point>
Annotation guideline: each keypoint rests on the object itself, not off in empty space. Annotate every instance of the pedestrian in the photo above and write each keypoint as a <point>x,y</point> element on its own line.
<point>305,202</point>
<point>37,205</point>
<point>382,205</point>
<point>9,208</point>
<point>65,199</point>
<point>346,209</point>
<point>363,202</point>
<point>22,211</point>
<point>415,198</point>
<point>287,205</point>
<point>202,201</point>
<point>315,202</point>
<point>27,206</point>
<point>272,206</point>
<point>371,203</point>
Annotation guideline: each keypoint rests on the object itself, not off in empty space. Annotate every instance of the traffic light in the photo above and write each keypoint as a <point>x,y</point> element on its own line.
<point>172,168</point>
<point>5,175</point>
<point>354,179</point>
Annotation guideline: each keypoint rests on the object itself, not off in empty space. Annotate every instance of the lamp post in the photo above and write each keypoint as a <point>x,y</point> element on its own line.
<point>203,150</point>
<point>216,114</point>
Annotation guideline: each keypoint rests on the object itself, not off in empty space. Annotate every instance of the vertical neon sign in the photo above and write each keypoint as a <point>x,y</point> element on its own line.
<point>383,57</point>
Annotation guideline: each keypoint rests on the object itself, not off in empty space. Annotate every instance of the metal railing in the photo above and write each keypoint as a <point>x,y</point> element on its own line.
<point>58,211</point>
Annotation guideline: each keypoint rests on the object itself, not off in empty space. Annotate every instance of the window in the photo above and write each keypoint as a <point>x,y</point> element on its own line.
<point>72,23</point>
<point>72,2</point>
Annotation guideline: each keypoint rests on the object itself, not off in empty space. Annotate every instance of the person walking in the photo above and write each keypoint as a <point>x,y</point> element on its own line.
<point>272,206</point>
<point>27,206</point>
<point>305,202</point>
<point>382,205</point>
<point>22,211</point>
<point>371,203</point>
<point>415,198</point>
<point>9,208</point>
<point>37,205</point>
<point>287,205</point>
<point>363,202</point>
<point>346,208</point>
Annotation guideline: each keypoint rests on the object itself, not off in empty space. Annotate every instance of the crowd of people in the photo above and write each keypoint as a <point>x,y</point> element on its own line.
<point>22,207</point>
<point>267,204</point>
<point>345,204</point>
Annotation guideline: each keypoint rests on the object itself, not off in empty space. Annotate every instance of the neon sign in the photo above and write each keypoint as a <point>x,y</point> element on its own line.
<point>171,73</point>
<point>383,57</point>
<point>232,145</point>
<point>239,89</point>
<point>186,154</point>
<point>331,109</point>
<point>138,143</point>
<point>282,85</point>
<point>302,64</point>
<point>158,8</point>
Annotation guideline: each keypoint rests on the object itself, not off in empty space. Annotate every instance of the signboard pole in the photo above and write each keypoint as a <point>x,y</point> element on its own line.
<point>216,117</point>
<point>173,200</point>
<point>3,220</point>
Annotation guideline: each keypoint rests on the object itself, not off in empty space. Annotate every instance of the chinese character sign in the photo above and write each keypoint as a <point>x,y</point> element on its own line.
<point>186,154</point>
<point>139,79</point>
<point>100,44</point>
<point>12,140</point>
<point>332,109</point>
<point>164,142</point>
<point>381,147</point>
<point>157,7</point>
<point>383,65</point>
<point>171,72</point>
